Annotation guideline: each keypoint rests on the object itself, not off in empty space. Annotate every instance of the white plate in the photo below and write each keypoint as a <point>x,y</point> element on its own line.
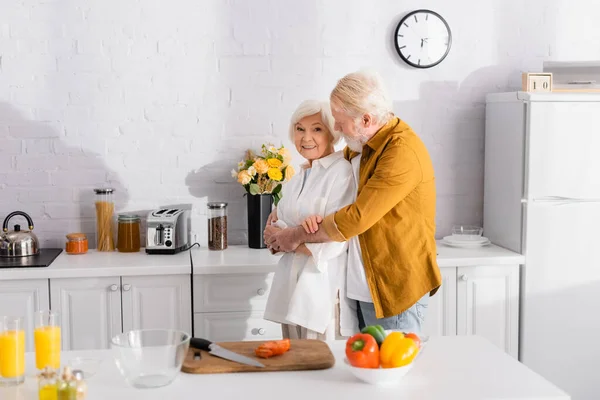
<point>466,245</point>
<point>458,239</point>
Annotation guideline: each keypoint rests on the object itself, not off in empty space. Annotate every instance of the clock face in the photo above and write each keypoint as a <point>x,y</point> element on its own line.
<point>423,39</point>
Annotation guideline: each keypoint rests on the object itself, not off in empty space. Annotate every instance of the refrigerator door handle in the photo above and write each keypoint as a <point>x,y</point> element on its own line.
<point>564,199</point>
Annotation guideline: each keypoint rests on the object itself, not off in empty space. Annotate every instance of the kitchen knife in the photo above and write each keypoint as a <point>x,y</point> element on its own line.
<point>216,350</point>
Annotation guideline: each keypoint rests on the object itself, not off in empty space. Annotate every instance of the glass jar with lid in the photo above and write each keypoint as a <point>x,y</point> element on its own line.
<point>128,236</point>
<point>105,207</point>
<point>77,243</point>
<point>217,226</point>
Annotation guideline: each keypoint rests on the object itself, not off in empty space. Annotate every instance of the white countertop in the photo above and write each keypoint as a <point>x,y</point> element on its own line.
<point>95,264</point>
<point>235,259</point>
<point>450,367</point>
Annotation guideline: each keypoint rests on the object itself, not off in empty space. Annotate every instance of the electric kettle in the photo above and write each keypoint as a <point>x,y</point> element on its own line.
<point>18,243</point>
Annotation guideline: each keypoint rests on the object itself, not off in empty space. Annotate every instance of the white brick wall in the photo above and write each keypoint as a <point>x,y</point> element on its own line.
<point>160,99</point>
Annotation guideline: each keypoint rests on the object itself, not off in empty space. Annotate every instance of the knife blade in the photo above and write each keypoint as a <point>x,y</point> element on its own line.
<point>218,351</point>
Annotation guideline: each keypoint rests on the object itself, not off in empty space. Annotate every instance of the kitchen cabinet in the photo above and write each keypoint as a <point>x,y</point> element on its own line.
<point>440,319</point>
<point>93,310</point>
<point>23,298</point>
<point>487,304</point>
<point>477,300</point>
<point>481,300</point>
<point>230,307</point>
<point>90,311</point>
<point>150,302</point>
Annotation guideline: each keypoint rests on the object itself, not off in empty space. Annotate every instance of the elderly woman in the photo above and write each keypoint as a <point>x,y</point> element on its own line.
<point>308,292</point>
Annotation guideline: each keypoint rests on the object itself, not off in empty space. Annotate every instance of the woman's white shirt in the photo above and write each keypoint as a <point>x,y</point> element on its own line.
<point>305,288</point>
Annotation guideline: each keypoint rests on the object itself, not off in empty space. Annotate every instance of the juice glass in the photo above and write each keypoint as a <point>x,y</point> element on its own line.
<point>12,351</point>
<point>46,337</point>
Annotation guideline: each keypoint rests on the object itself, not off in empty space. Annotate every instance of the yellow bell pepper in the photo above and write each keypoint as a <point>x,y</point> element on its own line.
<point>397,350</point>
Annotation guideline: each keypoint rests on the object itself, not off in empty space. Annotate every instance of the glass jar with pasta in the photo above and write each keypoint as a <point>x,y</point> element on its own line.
<point>105,208</point>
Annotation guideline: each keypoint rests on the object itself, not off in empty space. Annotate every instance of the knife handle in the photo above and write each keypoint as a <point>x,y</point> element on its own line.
<point>200,344</point>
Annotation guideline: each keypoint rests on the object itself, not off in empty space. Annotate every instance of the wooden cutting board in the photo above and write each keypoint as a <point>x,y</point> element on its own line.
<point>304,354</point>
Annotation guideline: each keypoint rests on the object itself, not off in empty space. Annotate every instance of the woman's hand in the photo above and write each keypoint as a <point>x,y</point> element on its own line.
<point>311,224</point>
<point>272,217</point>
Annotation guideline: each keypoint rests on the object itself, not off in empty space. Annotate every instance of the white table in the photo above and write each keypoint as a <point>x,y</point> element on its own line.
<point>457,367</point>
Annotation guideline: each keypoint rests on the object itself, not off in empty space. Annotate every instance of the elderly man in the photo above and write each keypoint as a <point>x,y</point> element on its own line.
<point>392,267</point>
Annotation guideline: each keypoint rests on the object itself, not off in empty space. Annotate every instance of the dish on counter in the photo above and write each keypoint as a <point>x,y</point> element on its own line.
<point>467,232</point>
<point>469,243</point>
<point>149,358</point>
<point>382,357</point>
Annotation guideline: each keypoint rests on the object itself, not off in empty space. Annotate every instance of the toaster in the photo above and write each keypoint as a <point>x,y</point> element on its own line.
<point>167,231</point>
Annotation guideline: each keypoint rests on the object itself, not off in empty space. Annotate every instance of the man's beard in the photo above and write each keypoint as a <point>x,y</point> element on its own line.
<point>356,144</point>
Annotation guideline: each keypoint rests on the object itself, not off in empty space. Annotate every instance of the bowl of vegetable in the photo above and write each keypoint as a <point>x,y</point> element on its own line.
<point>381,357</point>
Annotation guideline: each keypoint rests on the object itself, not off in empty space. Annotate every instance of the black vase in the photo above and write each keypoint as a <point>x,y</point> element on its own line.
<point>259,208</point>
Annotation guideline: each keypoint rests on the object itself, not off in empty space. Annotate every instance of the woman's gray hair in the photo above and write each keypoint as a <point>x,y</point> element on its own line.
<point>360,93</point>
<point>311,107</point>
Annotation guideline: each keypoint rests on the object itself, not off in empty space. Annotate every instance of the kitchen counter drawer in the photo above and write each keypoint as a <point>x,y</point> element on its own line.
<point>234,326</point>
<point>231,292</point>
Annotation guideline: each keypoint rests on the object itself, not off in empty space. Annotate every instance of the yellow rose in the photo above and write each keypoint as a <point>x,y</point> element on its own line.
<point>275,174</point>
<point>289,172</point>
<point>274,162</point>
<point>285,154</point>
<point>244,177</point>
<point>261,166</point>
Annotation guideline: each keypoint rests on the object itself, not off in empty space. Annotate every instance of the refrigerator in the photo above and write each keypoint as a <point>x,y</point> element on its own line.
<point>542,199</point>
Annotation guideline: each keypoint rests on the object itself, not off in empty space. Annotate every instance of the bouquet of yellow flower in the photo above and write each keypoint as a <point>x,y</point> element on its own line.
<point>264,173</point>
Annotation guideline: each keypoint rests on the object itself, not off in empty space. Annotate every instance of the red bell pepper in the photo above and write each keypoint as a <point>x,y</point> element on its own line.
<point>362,351</point>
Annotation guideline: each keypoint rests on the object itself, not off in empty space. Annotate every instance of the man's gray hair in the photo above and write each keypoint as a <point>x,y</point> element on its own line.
<point>360,93</point>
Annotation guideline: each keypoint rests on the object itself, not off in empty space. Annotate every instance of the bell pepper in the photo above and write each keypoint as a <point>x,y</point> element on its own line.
<point>397,350</point>
<point>376,331</point>
<point>362,351</point>
<point>414,337</point>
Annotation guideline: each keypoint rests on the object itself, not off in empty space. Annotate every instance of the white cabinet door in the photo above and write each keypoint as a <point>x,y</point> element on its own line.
<point>231,292</point>
<point>488,304</point>
<point>157,302</point>
<point>90,311</point>
<point>22,298</point>
<point>233,326</point>
<point>440,319</point>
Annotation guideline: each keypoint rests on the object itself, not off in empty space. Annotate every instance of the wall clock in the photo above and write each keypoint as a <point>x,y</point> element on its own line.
<point>423,39</point>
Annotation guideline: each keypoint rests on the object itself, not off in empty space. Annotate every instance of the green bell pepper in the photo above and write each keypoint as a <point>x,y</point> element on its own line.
<point>376,331</point>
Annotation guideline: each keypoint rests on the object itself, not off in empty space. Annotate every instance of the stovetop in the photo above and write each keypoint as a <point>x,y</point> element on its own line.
<point>43,259</point>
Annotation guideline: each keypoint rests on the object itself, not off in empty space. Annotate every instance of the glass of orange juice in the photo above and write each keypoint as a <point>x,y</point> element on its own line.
<point>12,351</point>
<point>46,337</point>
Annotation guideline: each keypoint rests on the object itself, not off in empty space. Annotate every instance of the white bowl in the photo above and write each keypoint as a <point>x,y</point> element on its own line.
<point>380,376</point>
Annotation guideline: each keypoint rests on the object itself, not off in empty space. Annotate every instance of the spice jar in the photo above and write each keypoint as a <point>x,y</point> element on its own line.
<point>47,384</point>
<point>66,388</point>
<point>128,240</point>
<point>80,385</point>
<point>217,226</point>
<point>105,207</point>
<point>77,243</point>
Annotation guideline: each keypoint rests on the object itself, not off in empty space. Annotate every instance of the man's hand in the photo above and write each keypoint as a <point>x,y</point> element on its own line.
<point>311,224</point>
<point>285,240</point>
<point>272,217</point>
<point>270,230</point>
